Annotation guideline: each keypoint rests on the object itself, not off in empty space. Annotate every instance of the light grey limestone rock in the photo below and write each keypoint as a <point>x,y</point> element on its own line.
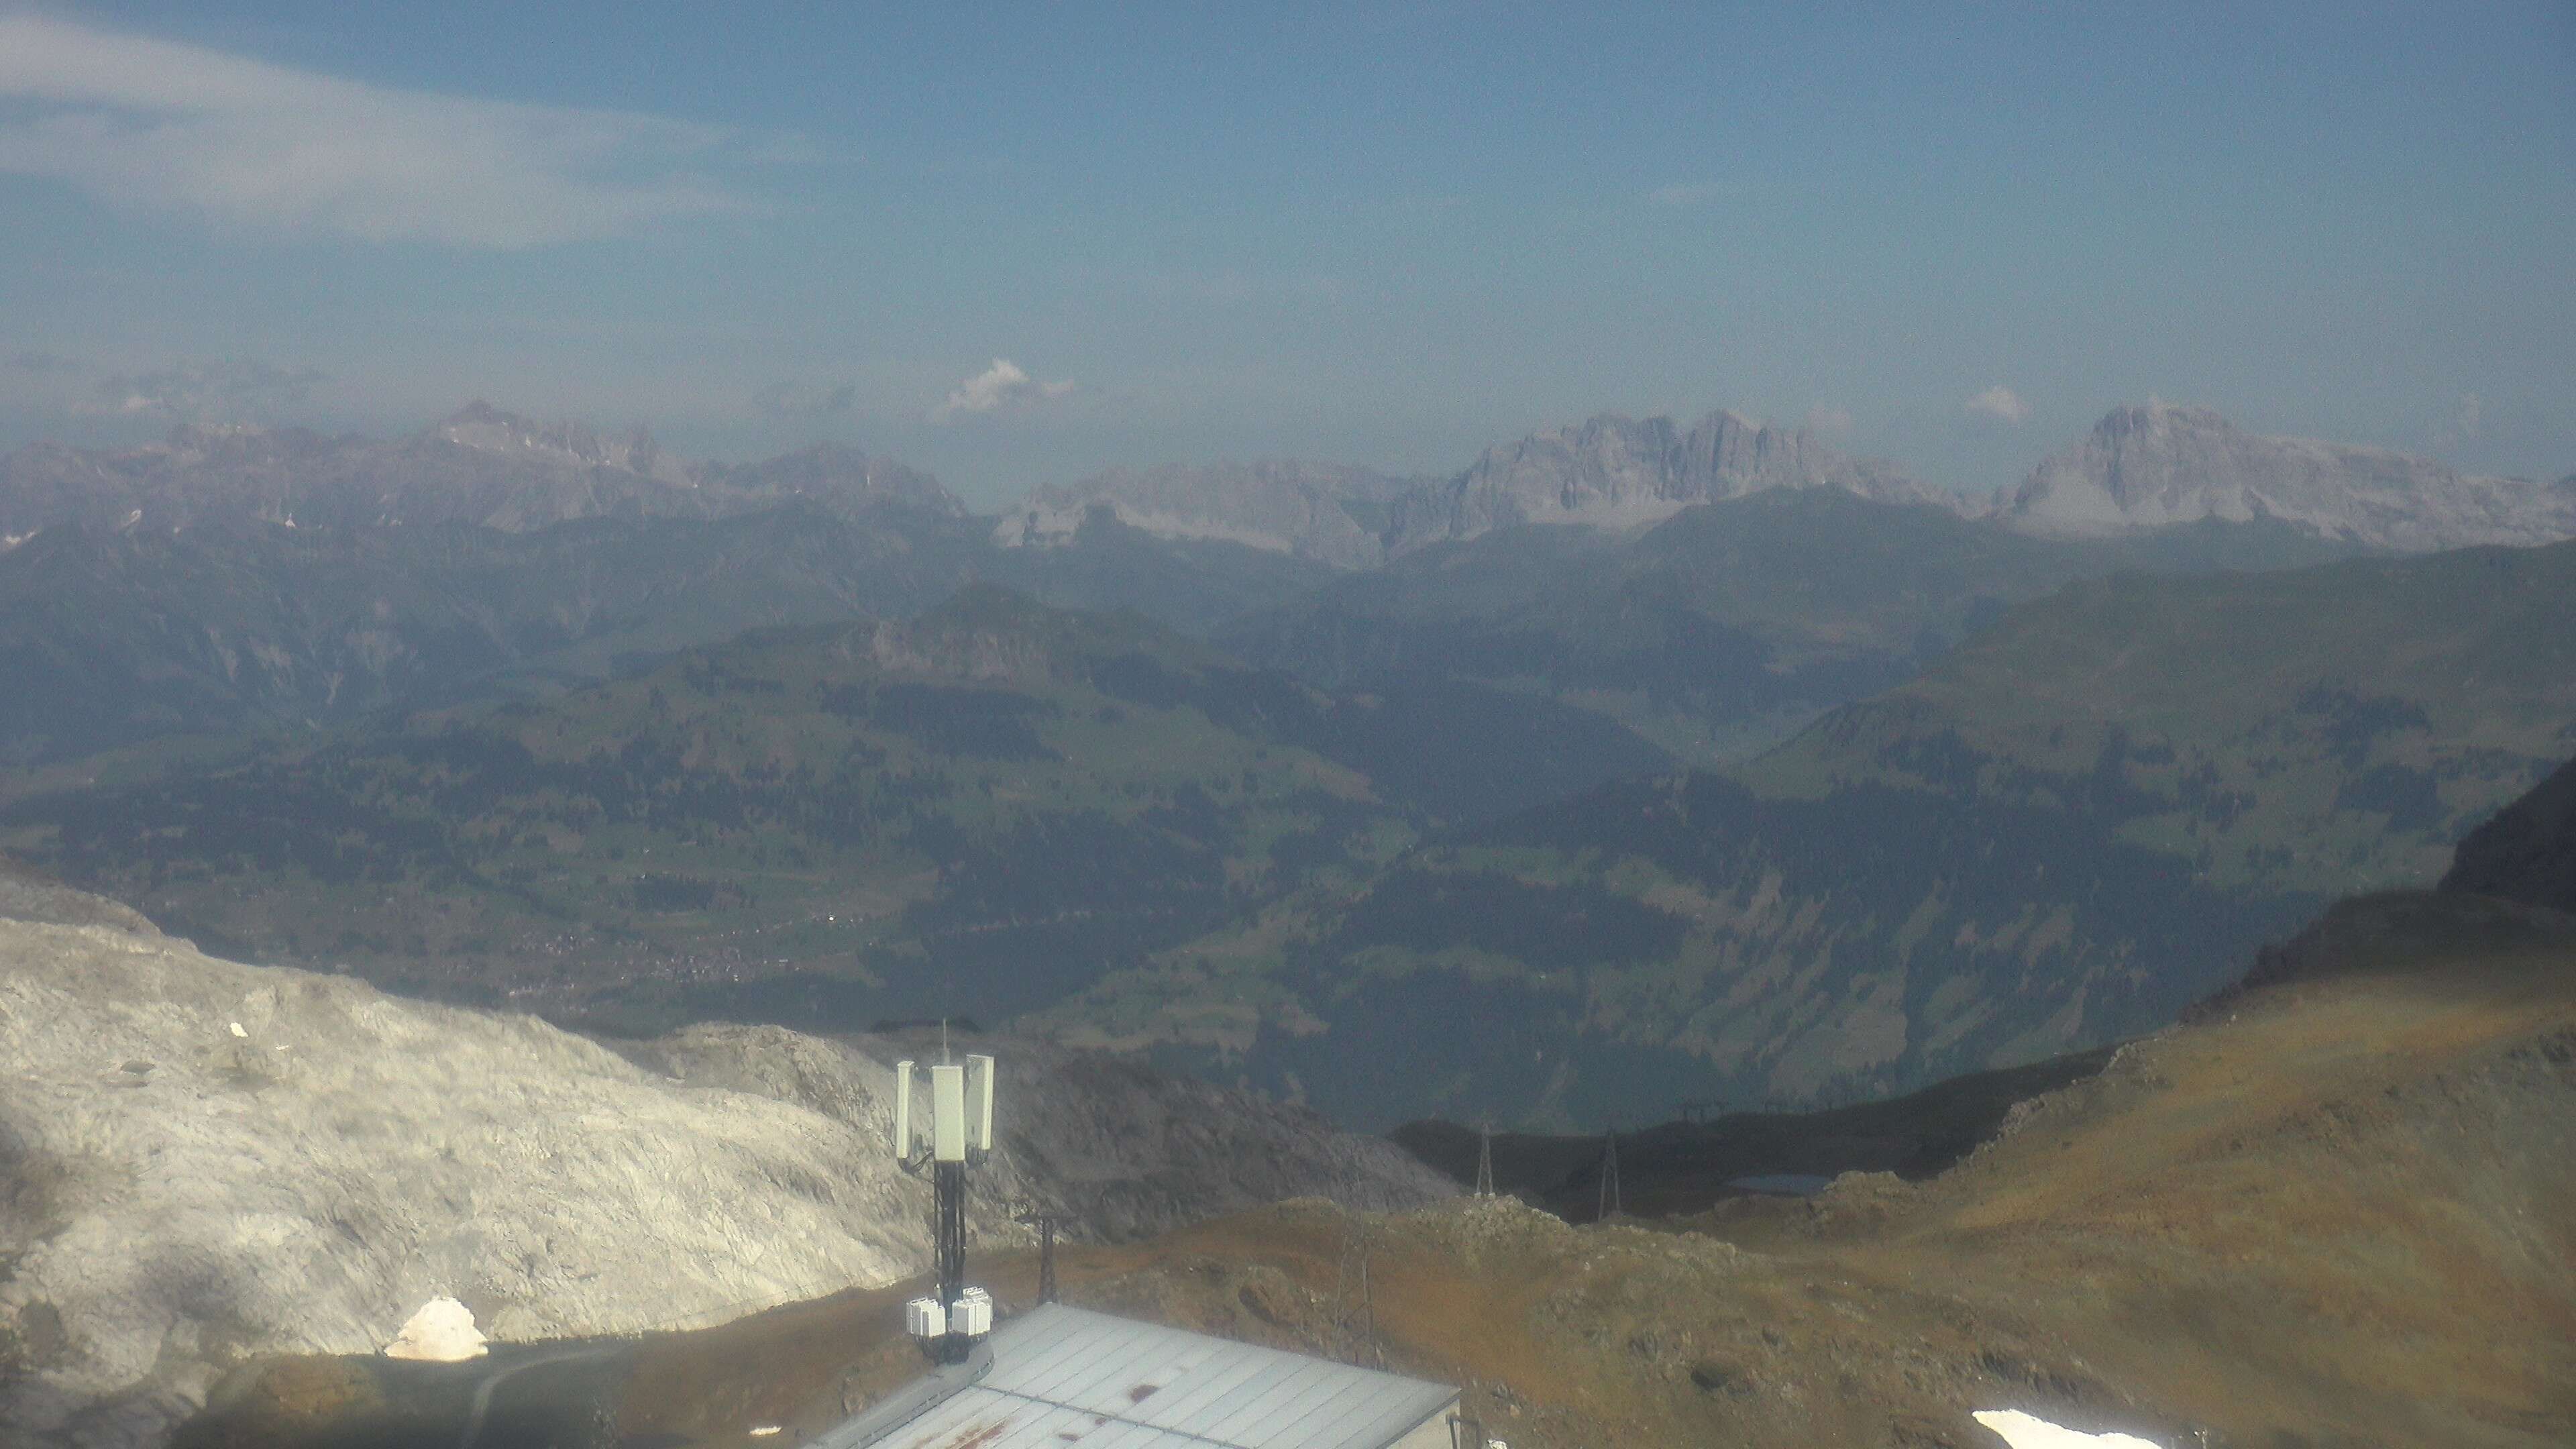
<point>2157,465</point>
<point>175,1194</point>
<point>1616,472</point>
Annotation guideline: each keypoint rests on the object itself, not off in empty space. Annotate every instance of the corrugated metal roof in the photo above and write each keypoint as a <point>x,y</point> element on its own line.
<point>1063,1377</point>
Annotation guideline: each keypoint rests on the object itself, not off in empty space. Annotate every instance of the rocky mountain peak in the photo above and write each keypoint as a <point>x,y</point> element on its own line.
<point>1614,471</point>
<point>485,428</point>
<point>2161,464</point>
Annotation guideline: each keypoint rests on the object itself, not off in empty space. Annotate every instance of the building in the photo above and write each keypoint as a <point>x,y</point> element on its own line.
<point>1068,1378</point>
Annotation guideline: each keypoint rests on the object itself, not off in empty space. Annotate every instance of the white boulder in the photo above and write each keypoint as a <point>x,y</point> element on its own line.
<point>441,1332</point>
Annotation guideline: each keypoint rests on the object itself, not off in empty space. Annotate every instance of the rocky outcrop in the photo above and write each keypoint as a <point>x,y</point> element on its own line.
<point>1327,512</point>
<point>202,1160</point>
<point>482,466</point>
<point>2153,466</point>
<point>1618,472</point>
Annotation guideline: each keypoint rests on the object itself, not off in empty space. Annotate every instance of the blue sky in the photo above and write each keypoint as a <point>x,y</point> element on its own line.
<point>1392,234</point>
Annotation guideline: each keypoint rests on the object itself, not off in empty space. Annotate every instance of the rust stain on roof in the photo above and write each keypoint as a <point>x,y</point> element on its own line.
<point>975,1436</point>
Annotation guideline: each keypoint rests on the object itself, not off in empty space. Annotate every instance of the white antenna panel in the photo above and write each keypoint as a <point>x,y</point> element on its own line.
<point>948,1112</point>
<point>982,1068</point>
<point>902,1110</point>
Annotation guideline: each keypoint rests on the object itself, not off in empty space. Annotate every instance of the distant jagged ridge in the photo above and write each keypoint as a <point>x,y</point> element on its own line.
<point>482,466</point>
<point>1331,513</point>
<point>1616,472</point>
<point>2161,464</point>
<point>1609,471</point>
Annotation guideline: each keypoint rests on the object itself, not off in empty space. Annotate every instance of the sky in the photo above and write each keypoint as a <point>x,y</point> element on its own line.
<point>1018,244</point>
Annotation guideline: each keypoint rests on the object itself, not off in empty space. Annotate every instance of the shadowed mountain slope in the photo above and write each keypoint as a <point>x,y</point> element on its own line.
<point>117,637</point>
<point>974,812</point>
<point>2527,852</point>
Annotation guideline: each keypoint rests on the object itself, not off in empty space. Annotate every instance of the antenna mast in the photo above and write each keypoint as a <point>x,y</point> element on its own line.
<point>1485,1160</point>
<point>959,1135</point>
<point>1610,1206</point>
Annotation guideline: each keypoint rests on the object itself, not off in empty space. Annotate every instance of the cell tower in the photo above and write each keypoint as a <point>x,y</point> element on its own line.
<point>957,1134</point>
<point>1485,1160</point>
<point>1610,1206</point>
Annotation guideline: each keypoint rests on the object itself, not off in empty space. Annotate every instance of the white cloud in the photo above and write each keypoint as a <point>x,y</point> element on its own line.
<point>228,391</point>
<point>1683,193</point>
<point>2000,403</point>
<point>999,386</point>
<point>805,400</point>
<point>161,126</point>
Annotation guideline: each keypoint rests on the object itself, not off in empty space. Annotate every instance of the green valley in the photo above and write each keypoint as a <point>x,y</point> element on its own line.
<point>974,812</point>
<point>2060,834</point>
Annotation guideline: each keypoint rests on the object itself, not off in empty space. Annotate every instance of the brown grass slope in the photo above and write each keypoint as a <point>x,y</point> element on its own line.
<point>2336,1210</point>
<point>2342,1212</point>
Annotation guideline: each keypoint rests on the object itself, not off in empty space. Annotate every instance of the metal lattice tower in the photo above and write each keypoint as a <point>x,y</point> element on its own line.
<point>1485,1160</point>
<point>1046,1223</point>
<point>1610,1206</point>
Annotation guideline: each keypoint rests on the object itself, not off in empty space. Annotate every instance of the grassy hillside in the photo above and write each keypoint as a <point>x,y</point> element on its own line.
<point>2062,833</point>
<point>2331,729</point>
<point>972,813</point>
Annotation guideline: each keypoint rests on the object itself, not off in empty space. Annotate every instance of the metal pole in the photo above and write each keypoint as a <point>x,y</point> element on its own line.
<point>1046,1259</point>
<point>948,1186</point>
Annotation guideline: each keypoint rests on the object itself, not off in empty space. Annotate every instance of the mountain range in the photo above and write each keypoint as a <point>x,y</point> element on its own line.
<point>482,466</point>
<point>2159,465</point>
<point>2140,468</point>
<point>1245,766</point>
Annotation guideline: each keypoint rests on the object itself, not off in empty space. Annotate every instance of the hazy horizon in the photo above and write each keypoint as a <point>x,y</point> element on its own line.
<point>1385,238</point>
